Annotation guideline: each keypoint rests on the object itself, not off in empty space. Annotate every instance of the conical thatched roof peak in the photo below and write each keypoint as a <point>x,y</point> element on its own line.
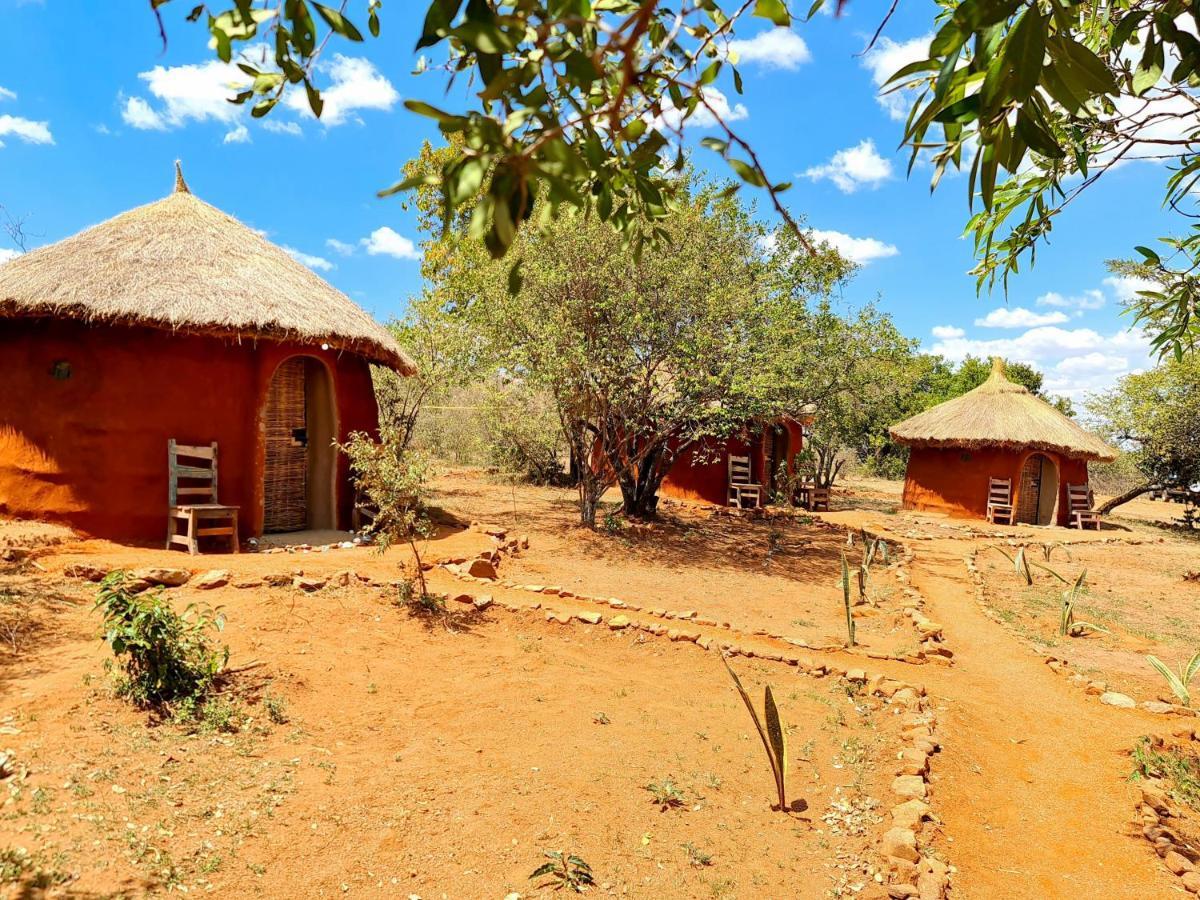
<point>179,264</point>
<point>1000,413</point>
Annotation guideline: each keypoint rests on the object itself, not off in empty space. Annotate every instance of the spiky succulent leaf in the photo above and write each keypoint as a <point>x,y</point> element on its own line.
<point>778,740</point>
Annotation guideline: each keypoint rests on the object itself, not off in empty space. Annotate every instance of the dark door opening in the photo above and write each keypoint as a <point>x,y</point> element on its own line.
<point>298,433</point>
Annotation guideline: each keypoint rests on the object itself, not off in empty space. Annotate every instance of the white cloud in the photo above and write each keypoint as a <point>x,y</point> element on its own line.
<point>886,59</point>
<point>777,48</point>
<point>854,167</point>
<point>239,135</point>
<point>6,94</point>
<point>670,117</point>
<point>1075,361</point>
<point>313,262</point>
<point>1019,317</point>
<point>1126,287</point>
<point>26,129</point>
<point>1089,299</point>
<point>386,242</point>
<point>139,114</point>
<point>279,126</point>
<point>339,247</point>
<point>355,84</point>
<point>947,332</point>
<point>859,250</point>
<point>6,254</point>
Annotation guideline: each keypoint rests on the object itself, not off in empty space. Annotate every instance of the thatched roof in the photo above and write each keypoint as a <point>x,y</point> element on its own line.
<point>999,413</point>
<point>180,264</point>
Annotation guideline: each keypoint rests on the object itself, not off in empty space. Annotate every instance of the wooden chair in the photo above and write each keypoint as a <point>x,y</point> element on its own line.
<point>999,505</point>
<point>741,487</point>
<point>207,518</point>
<point>818,498</point>
<point>1079,508</point>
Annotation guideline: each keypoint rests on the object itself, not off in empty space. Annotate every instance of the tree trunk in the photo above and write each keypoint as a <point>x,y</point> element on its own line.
<point>589,500</point>
<point>1127,496</point>
<point>640,484</point>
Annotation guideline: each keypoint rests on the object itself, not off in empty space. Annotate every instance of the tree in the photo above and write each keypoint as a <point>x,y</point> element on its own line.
<point>1156,416</point>
<point>1040,100</point>
<point>644,354</point>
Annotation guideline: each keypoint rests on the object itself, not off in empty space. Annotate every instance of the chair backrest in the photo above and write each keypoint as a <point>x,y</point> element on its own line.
<point>193,481</point>
<point>1078,497</point>
<point>1000,490</point>
<point>739,470</point>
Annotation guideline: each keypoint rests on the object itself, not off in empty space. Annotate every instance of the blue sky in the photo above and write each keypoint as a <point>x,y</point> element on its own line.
<point>93,113</point>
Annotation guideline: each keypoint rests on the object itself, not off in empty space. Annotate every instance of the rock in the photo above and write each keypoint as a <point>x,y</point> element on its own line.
<point>589,618</point>
<point>616,623</point>
<point>343,578</point>
<point>1112,698</point>
<point>900,843</point>
<point>162,576</point>
<point>1191,881</point>
<point>277,579</point>
<point>913,762</point>
<point>1177,863</point>
<point>910,787</point>
<point>931,884</point>
<point>308,583</point>
<point>214,578</point>
<point>856,675</point>
<point>246,584</point>
<point>482,568</point>
<point>85,571</point>
<point>1155,797</point>
<point>482,603</point>
<point>910,814</point>
<point>1158,707</point>
<point>901,891</point>
<point>1096,688</point>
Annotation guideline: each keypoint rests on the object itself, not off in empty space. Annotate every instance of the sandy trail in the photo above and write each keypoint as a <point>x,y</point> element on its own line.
<point>1031,785</point>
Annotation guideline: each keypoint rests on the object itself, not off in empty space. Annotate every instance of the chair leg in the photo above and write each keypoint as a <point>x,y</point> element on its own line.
<point>170,530</point>
<point>233,538</point>
<point>193,542</point>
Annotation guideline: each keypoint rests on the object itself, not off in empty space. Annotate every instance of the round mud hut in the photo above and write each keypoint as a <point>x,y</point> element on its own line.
<point>999,430</point>
<point>174,321</point>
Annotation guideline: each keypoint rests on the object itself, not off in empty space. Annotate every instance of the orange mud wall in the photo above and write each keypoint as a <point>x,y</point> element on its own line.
<point>702,471</point>
<point>955,481</point>
<point>90,450</point>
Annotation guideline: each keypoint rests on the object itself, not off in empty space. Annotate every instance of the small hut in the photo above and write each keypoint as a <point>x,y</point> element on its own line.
<point>702,471</point>
<point>997,430</point>
<point>176,321</point>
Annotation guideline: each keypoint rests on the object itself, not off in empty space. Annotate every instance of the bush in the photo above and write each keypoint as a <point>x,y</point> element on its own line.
<point>166,656</point>
<point>392,480</point>
<point>525,439</point>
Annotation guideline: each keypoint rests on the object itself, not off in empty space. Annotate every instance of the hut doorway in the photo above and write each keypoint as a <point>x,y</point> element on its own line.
<point>775,437</point>
<point>1037,497</point>
<point>298,432</point>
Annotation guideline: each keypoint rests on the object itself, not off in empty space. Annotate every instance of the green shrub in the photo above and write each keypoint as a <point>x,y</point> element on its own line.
<point>392,480</point>
<point>165,656</point>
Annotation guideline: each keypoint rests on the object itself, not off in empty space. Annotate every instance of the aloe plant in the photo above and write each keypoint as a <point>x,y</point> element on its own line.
<point>773,737</point>
<point>1067,626</point>
<point>846,600</point>
<point>1019,561</point>
<point>875,547</point>
<point>1178,682</point>
<point>1050,546</point>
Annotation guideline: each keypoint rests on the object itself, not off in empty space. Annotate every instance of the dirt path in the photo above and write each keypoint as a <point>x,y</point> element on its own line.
<point>1031,786</point>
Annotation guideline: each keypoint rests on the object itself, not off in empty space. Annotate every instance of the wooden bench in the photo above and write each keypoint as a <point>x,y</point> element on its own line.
<point>1079,508</point>
<point>741,487</point>
<point>197,478</point>
<point>999,504</point>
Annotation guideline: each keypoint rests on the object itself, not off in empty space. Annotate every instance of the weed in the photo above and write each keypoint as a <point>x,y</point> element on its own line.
<point>666,794</point>
<point>564,871</point>
<point>276,709</point>
<point>1178,682</point>
<point>165,656</point>
<point>600,718</point>
<point>613,523</point>
<point>18,866</point>
<point>696,856</point>
<point>216,715</point>
<point>1181,770</point>
<point>773,737</point>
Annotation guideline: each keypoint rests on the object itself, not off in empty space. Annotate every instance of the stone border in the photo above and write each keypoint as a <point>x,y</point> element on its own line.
<point>1154,812</point>
<point>1060,665</point>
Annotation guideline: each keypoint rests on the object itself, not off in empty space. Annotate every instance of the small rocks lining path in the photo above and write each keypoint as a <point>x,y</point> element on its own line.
<point>906,846</point>
<point>1158,817</point>
<point>1032,785</point>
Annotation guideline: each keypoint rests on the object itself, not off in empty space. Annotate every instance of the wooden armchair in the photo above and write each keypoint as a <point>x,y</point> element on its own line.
<point>999,504</point>
<point>198,478</point>
<point>741,487</point>
<point>1079,508</point>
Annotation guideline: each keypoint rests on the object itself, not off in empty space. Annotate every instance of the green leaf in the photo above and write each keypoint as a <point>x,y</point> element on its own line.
<point>774,11</point>
<point>438,19</point>
<point>486,37</point>
<point>1024,53</point>
<point>715,144</point>
<point>339,23</point>
<point>778,740</point>
<point>1150,255</point>
<point>747,172</point>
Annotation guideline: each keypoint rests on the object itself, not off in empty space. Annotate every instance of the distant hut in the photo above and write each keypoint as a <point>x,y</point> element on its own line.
<point>174,320</point>
<point>702,471</point>
<point>997,430</point>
